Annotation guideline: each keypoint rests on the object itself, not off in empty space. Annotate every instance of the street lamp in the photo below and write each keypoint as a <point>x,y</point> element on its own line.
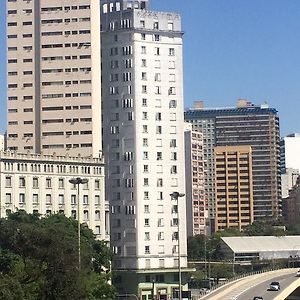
<point>77,181</point>
<point>152,290</point>
<point>176,195</point>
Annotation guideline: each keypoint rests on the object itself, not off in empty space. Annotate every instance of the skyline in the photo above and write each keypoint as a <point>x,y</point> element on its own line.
<point>251,54</point>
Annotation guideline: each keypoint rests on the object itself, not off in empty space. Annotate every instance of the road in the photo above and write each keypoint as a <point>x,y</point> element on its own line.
<point>261,288</point>
<point>256,285</point>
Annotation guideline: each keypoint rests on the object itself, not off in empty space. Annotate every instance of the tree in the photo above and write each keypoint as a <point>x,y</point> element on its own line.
<point>196,247</point>
<point>40,255</point>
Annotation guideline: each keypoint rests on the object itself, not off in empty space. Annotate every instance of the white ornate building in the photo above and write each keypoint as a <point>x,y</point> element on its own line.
<point>40,184</point>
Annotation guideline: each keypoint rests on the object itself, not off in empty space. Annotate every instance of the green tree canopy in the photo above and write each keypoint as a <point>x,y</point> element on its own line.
<point>39,260</point>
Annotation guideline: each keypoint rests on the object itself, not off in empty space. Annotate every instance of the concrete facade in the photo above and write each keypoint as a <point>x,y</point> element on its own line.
<point>196,203</point>
<point>290,146</point>
<point>233,187</point>
<point>54,81</point>
<point>144,144</point>
<point>288,180</point>
<point>291,204</point>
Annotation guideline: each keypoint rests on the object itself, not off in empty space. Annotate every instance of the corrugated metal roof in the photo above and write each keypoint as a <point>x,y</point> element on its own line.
<point>246,244</point>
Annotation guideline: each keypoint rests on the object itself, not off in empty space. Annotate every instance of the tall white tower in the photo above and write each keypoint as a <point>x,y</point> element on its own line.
<point>144,145</point>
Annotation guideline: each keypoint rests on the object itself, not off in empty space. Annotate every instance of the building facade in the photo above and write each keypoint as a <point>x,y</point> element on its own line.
<point>233,187</point>
<point>196,203</point>
<point>290,148</point>
<point>53,77</point>
<point>40,184</point>
<point>291,204</point>
<point>144,146</point>
<point>288,180</point>
<point>244,125</point>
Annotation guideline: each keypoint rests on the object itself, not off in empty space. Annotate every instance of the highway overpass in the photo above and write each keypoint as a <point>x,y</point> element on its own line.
<point>257,285</point>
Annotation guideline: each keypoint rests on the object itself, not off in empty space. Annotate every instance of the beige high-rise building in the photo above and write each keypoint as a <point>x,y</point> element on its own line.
<point>233,187</point>
<point>53,76</point>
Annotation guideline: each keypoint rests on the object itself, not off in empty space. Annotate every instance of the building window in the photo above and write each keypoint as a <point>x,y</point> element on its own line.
<point>85,215</point>
<point>48,199</point>
<point>159,156</point>
<point>97,199</point>
<point>172,104</point>
<point>147,249</point>
<point>147,222</point>
<point>159,182</point>
<point>145,142</point>
<point>145,155</point>
<point>160,222</point>
<point>7,181</point>
<point>171,64</point>
<point>73,214</point>
<point>146,209</point>
<point>144,89</point>
<point>147,236</point>
<point>73,199</point>
<point>35,198</point>
<point>97,215</point>
<point>156,38</point>
<point>170,26</point>
<point>173,143</point>
<point>172,91</point>
<point>21,198</point>
<point>160,196</point>
<point>7,198</point>
<point>61,183</point>
<point>97,184</point>
<point>145,129</point>
<point>171,51</point>
<point>143,49</point>
<point>161,249</point>
<point>161,236</point>
<point>61,199</point>
<point>22,182</point>
<point>85,199</point>
<point>146,181</point>
<point>97,229</point>
<point>48,183</point>
<point>35,182</point>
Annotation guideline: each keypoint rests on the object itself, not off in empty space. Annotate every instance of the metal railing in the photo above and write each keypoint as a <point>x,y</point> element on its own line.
<point>127,297</point>
<point>201,295</point>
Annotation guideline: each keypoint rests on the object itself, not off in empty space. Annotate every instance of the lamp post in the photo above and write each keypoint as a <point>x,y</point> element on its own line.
<point>176,195</point>
<point>152,290</point>
<point>77,181</point>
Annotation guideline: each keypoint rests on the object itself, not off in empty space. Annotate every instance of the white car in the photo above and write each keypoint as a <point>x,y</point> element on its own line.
<point>298,273</point>
<point>274,286</point>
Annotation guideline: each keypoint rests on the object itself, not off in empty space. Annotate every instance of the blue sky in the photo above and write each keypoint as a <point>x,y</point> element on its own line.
<point>232,49</point>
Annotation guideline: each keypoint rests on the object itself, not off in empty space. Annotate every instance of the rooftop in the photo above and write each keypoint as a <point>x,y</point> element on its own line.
<point>214,112</point>
<point>247,244</point>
